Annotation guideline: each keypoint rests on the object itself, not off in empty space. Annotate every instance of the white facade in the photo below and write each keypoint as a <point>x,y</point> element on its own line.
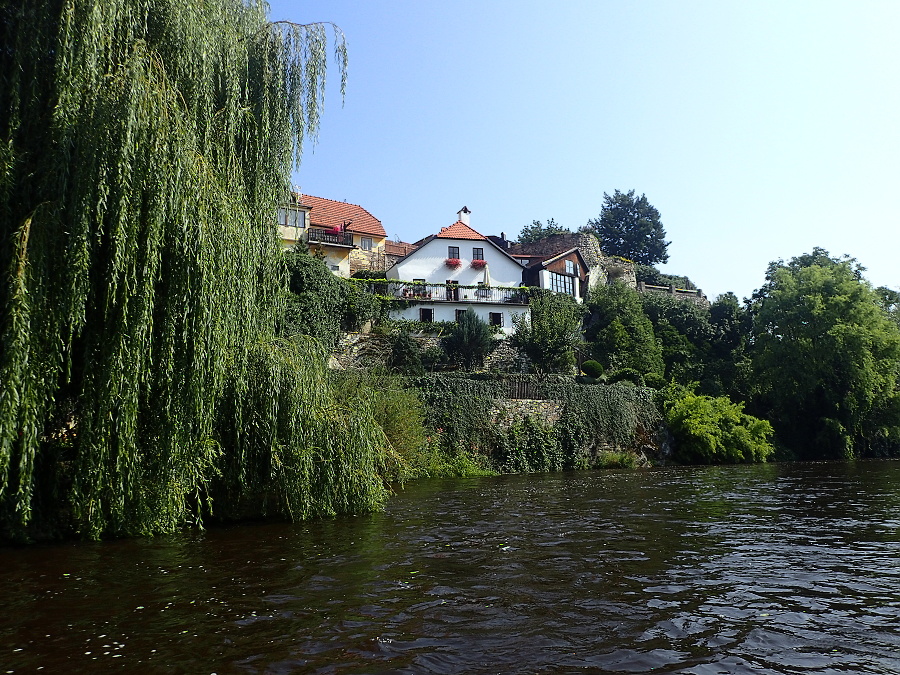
<point>428,264</point>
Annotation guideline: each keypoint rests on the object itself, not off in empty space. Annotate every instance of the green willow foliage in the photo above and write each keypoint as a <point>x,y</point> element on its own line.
<point>144,147</point>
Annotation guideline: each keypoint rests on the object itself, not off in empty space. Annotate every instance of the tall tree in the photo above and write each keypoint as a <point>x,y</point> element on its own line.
<point>145,147</point>
<point>537,231</point>
<point>827,357</point>
<point>549,336</point>
<point>621,333</point>
<point>630,227</point>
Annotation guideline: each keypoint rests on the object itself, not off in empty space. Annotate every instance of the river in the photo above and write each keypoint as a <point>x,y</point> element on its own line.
<point>783,568</point>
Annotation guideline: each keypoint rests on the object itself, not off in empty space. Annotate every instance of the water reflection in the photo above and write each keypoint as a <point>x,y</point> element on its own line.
<point>778,569</point>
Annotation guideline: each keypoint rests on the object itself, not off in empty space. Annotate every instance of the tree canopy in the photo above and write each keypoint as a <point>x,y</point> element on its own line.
<point>537,231</point>
<point>145,147</point>
<point>827,357</point>
<point>630,227</point>
<point>550,334</point>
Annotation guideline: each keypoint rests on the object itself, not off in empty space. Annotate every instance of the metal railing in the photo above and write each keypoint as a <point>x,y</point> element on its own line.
<point>407,290</point>
<point>316,236</point>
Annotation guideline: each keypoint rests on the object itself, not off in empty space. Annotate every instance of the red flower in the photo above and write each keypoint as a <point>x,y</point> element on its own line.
<point>479,264</point>
<point>453,262</point>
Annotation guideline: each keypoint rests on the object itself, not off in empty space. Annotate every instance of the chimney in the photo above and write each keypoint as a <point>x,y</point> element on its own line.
<point>463,215</point>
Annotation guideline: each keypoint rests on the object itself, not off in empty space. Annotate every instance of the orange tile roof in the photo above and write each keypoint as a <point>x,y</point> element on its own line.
<point>328,214</point>
<point>459,230</point>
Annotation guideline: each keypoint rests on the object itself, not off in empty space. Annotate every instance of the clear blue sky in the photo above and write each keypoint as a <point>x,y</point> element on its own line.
<point>758,129</point>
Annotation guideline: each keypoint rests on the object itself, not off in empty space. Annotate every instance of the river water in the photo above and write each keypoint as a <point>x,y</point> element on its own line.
<point>791,568</point>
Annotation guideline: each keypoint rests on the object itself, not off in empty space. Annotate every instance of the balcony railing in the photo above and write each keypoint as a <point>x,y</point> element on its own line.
<point>412,290</point>
<point>337,238</point>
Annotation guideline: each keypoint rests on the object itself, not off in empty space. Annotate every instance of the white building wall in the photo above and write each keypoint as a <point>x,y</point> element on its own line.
<point>446,311</point>
<point>427,262</point>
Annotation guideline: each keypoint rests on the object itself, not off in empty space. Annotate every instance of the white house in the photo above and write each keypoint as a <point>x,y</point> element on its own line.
<point>455,269</point>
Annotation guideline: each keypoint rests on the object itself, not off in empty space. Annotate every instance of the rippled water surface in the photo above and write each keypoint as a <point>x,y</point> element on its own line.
<point>765,569</point>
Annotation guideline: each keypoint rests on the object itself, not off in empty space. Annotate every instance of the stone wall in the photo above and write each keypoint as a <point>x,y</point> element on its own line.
<point>366,350</point>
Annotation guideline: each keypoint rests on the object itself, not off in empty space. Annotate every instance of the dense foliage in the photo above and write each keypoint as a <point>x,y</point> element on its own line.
<point>537,231</point>
<point>629,226</point>
<point>319,304</point>
<point>593,420</point>
<point>652,276</point>
<point>713,430</point>
<point>620,333</point>
<point>145,147</point>
<point>550,334</point>
<point>827,357</point>
<point>469,341</point>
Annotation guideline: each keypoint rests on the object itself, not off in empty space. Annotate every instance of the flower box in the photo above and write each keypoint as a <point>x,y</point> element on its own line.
<point>453,263</point>
<point>479,264</point>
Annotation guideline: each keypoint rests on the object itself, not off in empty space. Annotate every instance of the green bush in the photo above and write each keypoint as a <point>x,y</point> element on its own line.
<point>549,335</point>
<point>406,355</point>
<point>654,381</point>
<point>320,304</point>
<point>469,341</point>
<point>626,375</point>
<point>713,430</point>
<point>592,369</point>
<point>398,411</point>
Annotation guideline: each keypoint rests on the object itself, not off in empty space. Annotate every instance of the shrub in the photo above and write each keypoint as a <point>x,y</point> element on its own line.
<point>548,337</point>
<point>713,430</point>
<point>406,355</point>
<point>469,341</point>
<point>654,380</point>
<point>592,369</point>
<point>627,375</point>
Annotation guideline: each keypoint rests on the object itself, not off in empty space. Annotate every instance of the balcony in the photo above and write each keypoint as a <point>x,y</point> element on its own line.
<point>411,290</point>
<point>329,237</point>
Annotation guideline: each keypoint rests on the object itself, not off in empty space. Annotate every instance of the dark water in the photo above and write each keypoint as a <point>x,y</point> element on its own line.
<point>769,569</point>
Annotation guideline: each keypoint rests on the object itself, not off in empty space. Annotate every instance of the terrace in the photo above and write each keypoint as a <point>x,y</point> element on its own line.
<point>417,290</point>
<point>332,237</point>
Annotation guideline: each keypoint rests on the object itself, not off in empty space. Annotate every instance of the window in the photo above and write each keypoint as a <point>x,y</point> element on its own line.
<point>560,283</point>
<point>453,251</point>
<point>570,267</point>
<point>288,217</point>
<point>365,243</point>
<point>477,254</point>
<point>459,314</point>
<point>495,318</point>
<point>426,315</point>
<point>419,281</point>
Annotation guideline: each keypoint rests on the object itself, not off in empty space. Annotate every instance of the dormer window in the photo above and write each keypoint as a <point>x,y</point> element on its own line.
<point>570,267</point>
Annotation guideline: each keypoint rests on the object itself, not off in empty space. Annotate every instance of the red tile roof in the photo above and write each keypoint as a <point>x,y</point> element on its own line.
<point>459,230</point>
<point>328,214</point>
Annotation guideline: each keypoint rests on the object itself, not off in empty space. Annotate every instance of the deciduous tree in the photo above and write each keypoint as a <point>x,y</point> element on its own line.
<point>537,231</point>
<point>827,356</point>
<point>144,148</point>
<point>549,336</point>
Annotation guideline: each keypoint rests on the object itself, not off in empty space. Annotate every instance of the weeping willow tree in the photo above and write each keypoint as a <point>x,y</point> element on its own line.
<point>144,147</point>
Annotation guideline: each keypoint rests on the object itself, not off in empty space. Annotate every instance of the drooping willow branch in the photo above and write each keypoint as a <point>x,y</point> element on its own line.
<point>144,147</point>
